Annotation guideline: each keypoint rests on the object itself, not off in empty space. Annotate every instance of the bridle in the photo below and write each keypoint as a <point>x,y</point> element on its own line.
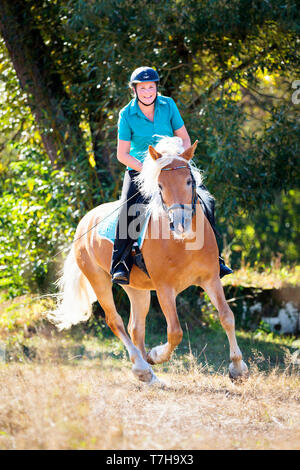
<point>192,209</point>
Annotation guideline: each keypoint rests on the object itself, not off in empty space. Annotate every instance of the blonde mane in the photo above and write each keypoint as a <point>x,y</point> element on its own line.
<point>170,148</point>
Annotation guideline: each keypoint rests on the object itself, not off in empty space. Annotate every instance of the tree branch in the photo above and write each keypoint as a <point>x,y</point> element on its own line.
<point>229,74</point>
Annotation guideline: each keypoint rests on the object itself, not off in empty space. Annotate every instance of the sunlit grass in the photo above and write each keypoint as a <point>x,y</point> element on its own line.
<point>95,405</point>
<point>267,277</point>
<point>75,389</point>
<point>27,335</point>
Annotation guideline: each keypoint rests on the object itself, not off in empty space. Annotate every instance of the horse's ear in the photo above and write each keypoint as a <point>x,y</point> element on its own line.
<point>154,154</point>
<point>189,153</point>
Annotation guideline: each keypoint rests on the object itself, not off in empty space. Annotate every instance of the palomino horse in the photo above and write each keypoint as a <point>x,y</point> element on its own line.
<point>182,252</point>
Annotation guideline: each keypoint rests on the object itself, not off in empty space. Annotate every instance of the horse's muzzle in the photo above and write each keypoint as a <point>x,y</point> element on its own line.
<point>180,216</point>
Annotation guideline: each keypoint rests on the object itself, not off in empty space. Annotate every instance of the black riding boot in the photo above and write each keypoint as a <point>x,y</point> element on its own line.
<point>121,274</point>
<point>224,270</point>
<point>122,261</point>
<point>209,210</point>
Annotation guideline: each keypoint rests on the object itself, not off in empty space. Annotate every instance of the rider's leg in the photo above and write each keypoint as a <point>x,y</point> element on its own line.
<point>121,258</point>
<point>209,204</point>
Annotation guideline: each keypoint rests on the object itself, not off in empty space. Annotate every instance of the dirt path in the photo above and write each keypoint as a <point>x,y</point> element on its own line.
<point>88,407</point>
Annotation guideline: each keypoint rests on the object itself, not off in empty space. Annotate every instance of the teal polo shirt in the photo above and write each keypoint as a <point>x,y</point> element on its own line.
<point>136,128</point>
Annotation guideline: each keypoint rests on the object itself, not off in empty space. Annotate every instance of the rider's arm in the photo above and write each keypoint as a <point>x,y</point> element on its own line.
<point>124,157</point>
<point>178,125</point>
<point>124,141</point>
<point>183,133</point>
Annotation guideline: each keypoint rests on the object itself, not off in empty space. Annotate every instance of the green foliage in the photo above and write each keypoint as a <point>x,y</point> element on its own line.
<point>38,218</point>
<point>228,65</point>
<point>266,235</point>
<point>247,172</point>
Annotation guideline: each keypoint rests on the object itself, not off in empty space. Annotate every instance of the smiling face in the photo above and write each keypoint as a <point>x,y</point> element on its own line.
<point>146,92</point>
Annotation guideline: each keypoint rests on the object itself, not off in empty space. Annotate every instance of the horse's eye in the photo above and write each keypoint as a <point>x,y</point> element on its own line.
<point>189,182</point>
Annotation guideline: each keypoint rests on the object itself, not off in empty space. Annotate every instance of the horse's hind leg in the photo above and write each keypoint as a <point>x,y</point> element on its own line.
<point>139,308</point>
<point>214,288</point>
<point>101,283</point>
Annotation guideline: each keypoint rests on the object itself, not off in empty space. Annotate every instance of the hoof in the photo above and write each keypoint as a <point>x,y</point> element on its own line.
<point>238,379</point>
<point>238,374</point>
<point>155,381</point>
<point>144,375</point>
<point>149,359</point>
<point>157,355</point>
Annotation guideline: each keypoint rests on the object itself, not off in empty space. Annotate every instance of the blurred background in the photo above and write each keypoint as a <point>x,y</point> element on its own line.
<point>233,70</point>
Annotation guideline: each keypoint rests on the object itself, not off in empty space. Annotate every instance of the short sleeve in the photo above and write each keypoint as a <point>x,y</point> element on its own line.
<point>124,131</point>
<point>176,120</point>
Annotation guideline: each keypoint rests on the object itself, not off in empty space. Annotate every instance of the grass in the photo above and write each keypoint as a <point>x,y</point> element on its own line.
<point>96,405</point>
<point>26,335</point>
<point>274,276</point>
<point>75,390</point>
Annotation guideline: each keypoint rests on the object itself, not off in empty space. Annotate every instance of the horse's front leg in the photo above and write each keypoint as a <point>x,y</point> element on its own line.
<point>162,353</point>
<point>237,369</point>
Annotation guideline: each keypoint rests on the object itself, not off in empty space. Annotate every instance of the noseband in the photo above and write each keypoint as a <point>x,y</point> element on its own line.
<point>181,206</point>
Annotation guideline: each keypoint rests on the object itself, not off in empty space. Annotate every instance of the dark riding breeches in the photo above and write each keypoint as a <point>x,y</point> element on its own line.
<point>123,239</point>
<point>208,204</point>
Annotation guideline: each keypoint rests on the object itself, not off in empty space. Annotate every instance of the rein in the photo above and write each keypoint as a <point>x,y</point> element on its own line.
<point>181,206</point>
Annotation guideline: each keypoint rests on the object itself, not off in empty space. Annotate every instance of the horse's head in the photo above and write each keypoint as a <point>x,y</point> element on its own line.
<point>177,189</point>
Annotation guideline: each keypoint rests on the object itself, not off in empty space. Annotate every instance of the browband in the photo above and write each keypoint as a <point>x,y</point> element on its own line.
<point>175,168</point>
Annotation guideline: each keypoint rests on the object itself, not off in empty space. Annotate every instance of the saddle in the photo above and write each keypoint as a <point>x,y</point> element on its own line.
<point>107,230</point>
<point>138,258</point>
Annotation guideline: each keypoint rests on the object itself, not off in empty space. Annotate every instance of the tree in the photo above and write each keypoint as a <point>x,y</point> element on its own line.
<point>228,65</point>
<point>74,58</point>
<point>57,118</point>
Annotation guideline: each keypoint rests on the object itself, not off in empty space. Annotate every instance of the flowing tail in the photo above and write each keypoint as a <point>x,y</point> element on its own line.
<point>75,297</point>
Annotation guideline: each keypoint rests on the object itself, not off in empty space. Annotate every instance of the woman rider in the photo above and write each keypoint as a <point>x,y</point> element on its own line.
<point>146,117</point>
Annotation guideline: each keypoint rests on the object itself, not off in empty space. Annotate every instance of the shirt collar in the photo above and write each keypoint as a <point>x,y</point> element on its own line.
<point>134,107</point>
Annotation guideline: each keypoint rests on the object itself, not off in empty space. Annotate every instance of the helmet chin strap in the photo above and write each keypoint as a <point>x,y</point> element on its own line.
<point>144,104</point>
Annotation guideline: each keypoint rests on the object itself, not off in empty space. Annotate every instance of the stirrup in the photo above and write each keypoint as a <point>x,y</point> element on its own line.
<point>121,274</point>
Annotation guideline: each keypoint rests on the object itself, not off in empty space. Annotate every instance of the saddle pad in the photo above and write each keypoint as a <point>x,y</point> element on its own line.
<point>107,227</point>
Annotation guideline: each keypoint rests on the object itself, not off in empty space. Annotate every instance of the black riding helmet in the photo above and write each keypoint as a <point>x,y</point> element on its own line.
<point>143,74</point>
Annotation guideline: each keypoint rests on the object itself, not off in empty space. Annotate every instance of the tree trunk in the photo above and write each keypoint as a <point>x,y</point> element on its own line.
<point>47,98</point>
